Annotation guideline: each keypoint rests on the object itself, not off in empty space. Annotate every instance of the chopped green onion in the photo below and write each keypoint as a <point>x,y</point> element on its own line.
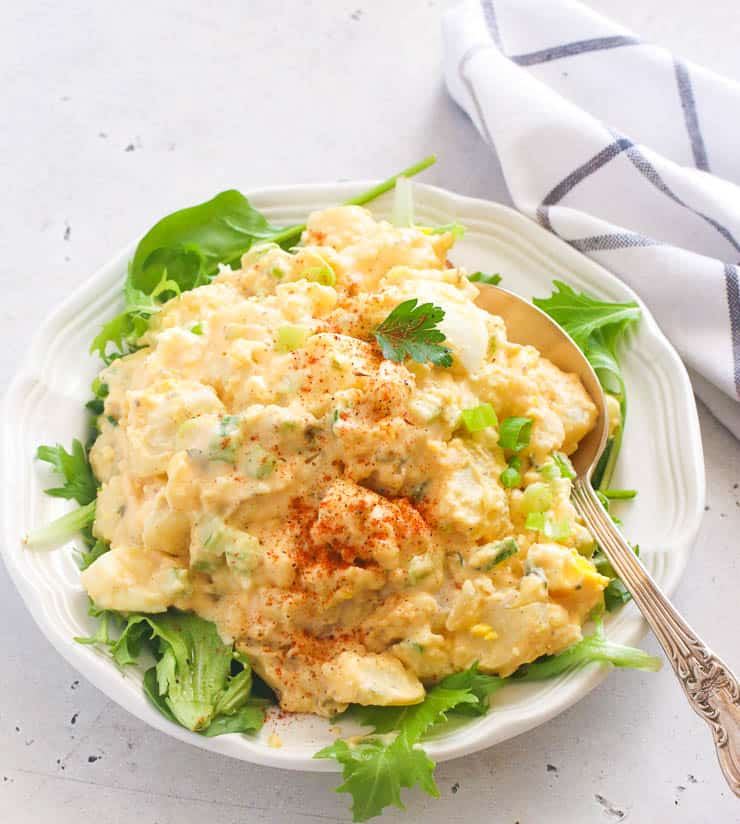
<point>619,494</point>
<point>290,338</point>
<point>478,418</point>
<point>490,555</point>
<point>290,233</point>
<point>482,277</point>
<point>402,214</point>
<point>515,433</point>
<point>537,497</point>
<point>197,328</point>
<point>323,274</point>
<point>511,476</point>
<point>277,272</point>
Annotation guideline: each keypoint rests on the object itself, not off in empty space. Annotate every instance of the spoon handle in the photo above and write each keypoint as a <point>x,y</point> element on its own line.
<point>710,686</point>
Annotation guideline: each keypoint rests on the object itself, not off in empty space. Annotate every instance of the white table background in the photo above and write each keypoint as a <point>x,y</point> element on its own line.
<point>115,114</point>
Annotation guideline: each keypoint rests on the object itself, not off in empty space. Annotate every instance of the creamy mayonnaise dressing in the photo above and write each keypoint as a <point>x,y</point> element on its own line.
<point>265,467</point>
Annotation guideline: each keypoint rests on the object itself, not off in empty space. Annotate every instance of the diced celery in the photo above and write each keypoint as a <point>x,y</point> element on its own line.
<point>258,463</point>
<point>243,551</point>
<point>225,441</point>
<point>550,471</point>
<point>290,338</point>
<point>536,521</point>
<point>420,567</point>
<point>537,497</point>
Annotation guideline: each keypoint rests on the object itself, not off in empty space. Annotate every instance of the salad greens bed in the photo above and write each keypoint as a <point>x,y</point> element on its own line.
<point>198,681</point>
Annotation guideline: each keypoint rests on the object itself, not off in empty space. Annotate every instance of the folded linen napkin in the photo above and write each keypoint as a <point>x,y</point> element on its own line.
<point>628,153</point>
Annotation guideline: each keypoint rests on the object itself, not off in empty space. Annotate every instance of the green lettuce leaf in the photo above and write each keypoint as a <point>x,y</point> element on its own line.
<point>198,681</point>
<point>95,548</point>
<point>62,529</point>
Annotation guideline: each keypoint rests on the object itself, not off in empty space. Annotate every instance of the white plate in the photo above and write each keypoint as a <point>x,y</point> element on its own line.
<point>662,456</point>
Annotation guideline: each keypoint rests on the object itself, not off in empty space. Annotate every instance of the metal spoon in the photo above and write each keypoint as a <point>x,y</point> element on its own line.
<point>710,686</point>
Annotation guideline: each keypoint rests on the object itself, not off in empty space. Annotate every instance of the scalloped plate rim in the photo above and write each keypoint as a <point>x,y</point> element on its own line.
<point>104,675</point>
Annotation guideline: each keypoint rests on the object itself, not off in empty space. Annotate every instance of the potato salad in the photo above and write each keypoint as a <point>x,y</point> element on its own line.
<point>359,520</point>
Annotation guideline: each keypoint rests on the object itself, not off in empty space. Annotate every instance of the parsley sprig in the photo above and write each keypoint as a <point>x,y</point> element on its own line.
<point>411,331</point>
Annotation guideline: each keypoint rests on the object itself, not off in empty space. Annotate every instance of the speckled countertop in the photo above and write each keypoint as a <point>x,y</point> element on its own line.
<point>115,114</point>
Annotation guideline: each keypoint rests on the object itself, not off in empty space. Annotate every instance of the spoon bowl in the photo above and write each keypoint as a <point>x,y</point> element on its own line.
<point>528,325</point>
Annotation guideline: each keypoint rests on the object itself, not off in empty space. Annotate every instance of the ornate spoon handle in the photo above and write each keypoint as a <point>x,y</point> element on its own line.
<point>710,686</point>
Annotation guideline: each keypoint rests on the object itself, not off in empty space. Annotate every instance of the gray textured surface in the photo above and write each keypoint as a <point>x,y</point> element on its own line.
<point>115,114</point>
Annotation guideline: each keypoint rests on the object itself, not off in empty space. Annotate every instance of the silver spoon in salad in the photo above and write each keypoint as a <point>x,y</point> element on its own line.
<point>710,686</point>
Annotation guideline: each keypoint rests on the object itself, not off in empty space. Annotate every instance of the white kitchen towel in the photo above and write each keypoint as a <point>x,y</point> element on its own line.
<point>625,151</point>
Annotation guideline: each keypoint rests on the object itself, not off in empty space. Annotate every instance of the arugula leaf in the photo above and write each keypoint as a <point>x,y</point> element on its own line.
<point>482,277</point>
<point>79,481</point>
<point>193,667</point>
<point>411,331</point>
<point>581,315</point>
<point>616,595</point>
<point>79,485</point>
<point>596,327</point>
<point>374,772</point>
